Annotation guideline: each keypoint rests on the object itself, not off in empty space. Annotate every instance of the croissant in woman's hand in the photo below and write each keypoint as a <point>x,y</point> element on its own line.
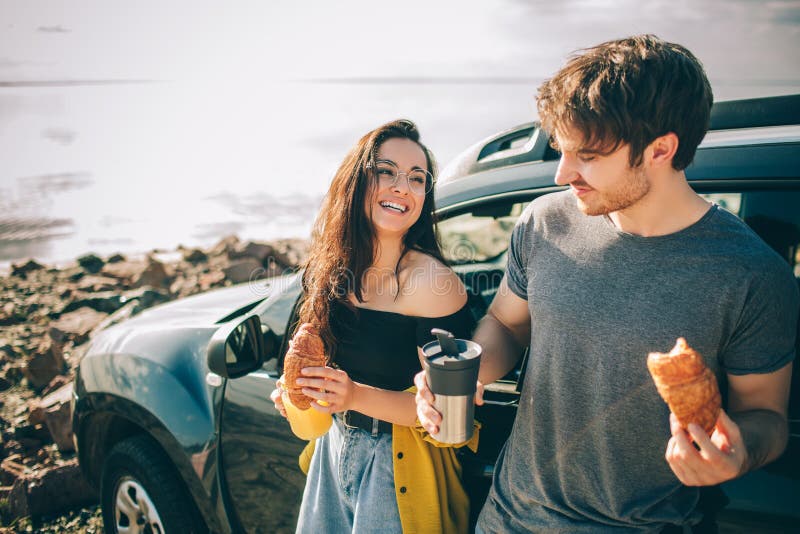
<point>306,349</point>
<point>687,385</point>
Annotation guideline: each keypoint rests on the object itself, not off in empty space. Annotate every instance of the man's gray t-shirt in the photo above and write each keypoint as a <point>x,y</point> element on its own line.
<point>586,453</point>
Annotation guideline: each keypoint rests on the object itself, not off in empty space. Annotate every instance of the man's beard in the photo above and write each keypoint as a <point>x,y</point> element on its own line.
<point>634,188</point>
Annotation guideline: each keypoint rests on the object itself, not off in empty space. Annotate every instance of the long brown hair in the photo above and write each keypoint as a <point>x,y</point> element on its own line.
<point>343,238</point>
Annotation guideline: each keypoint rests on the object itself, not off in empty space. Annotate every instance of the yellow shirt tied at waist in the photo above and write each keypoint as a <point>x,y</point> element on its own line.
<point>427,480</point>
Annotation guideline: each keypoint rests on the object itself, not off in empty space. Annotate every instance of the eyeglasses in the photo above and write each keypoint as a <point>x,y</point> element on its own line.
<point>420,182</point>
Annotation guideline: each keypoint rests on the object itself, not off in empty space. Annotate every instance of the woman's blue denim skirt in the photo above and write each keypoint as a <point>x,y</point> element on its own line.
<point>350,485</point>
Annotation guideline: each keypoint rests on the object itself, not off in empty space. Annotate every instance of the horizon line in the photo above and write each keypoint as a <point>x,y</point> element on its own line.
<point>435,80</point>
<point>68,83</point>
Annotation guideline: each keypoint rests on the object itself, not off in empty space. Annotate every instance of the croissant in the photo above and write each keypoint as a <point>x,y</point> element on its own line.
<point>687,385</point>
<point>305,350</point>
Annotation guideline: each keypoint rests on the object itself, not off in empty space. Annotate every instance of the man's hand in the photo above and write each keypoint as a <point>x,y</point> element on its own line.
<point>426,413</point>
<point>721,457</point>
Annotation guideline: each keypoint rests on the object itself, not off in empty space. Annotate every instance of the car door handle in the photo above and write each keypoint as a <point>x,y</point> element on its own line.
<point>500,403</point>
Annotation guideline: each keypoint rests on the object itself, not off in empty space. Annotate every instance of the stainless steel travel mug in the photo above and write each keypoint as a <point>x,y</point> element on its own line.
<point>452,372</point>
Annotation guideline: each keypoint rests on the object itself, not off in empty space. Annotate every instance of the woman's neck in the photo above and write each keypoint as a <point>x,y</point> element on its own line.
<point>388,252</point>
<point>380,281</point>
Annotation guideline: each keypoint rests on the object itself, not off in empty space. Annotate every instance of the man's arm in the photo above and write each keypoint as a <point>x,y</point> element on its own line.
<point>503,334</point>
<point>754,433</point>
<point>758,404</point>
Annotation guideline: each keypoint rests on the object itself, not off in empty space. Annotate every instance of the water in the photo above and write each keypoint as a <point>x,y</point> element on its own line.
<point>134,166</point>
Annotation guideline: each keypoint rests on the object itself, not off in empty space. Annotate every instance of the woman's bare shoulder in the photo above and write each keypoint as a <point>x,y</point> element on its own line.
<point>429,288</point>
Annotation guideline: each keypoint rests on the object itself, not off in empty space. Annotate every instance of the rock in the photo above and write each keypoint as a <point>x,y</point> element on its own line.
<point>7,350</point>
<point>147,296</point>
<point>49,491</point>
<point>36,432</point>
<point>154,275</point>
<point>5,383</point>
<point>44,364</point>
<point>11,469</point>
<point>105,302</point>
<point>18,312</point>
<point>31,445</point>
<point>124,270</point>
<point>75,326</point>
<point>91,263</point>
<point>11,446</point>
<point>58,419</point>
<point>244,270</point>
<point>295,250</point>
<point>266,253</point>
<point>211,279</point>
<point>116,258</point>
<point>35,412</point>
<point>62,395</point>
<point>251,249</point>
<point>55,384</point>
<point>194,255</point>
<point>225,246</point>
<point>183,287</point>
<point>23,270</point>
<point>38,407</point>
<point>64,292</point>
<point>9,314</point>
<point>13,372</point>
<point>94,283</point>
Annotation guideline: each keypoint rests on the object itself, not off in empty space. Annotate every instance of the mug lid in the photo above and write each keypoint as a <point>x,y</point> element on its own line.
<point>450,353</point>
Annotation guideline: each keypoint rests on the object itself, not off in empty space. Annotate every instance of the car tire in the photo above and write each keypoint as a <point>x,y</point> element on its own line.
<point>140,489</point>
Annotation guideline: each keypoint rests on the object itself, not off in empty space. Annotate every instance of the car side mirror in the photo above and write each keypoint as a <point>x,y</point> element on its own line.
<point>237,348</point>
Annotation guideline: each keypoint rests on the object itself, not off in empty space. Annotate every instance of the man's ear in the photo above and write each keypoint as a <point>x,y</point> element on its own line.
<point>662,149</point>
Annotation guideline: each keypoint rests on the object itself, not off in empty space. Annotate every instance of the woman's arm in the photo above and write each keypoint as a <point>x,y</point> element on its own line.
<point>334,387</point>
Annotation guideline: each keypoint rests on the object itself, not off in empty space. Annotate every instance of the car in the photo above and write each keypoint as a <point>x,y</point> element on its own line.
<point>171,409</point>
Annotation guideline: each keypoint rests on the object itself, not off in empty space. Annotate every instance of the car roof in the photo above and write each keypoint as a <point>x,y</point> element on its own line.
<point>519,161</point>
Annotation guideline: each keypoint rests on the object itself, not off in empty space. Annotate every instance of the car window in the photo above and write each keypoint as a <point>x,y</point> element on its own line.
<point>480,234</point>
<point>773,215</point>
<point>474,242</point>
<point>728,201</point>
<point>277,313</point>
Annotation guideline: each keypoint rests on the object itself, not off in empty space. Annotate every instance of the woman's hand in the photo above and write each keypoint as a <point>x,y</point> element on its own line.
<point>275,397</point>
<point>329,386</point>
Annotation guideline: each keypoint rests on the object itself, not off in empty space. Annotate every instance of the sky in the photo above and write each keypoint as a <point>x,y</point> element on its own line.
<point>262,42</point>
<point>127,125</point>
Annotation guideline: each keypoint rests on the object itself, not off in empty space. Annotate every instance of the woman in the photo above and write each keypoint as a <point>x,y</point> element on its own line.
<point>375,284</point>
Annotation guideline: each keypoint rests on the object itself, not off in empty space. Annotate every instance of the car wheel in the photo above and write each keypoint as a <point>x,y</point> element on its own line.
<point>140,492</point>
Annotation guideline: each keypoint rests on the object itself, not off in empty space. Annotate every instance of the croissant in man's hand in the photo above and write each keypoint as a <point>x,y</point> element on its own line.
<point>687,385</point>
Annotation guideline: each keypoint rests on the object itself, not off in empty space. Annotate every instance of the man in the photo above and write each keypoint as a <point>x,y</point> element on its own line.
<point>622,264</point>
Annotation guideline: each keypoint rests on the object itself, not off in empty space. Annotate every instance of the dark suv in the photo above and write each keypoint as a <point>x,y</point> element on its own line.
<point>171,411</point>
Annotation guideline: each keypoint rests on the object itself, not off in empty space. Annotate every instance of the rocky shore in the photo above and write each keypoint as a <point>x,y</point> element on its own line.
<point>47,317</point>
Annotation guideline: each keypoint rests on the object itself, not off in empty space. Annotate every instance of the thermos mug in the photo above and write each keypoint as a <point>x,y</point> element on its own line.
<point>451,368</point>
